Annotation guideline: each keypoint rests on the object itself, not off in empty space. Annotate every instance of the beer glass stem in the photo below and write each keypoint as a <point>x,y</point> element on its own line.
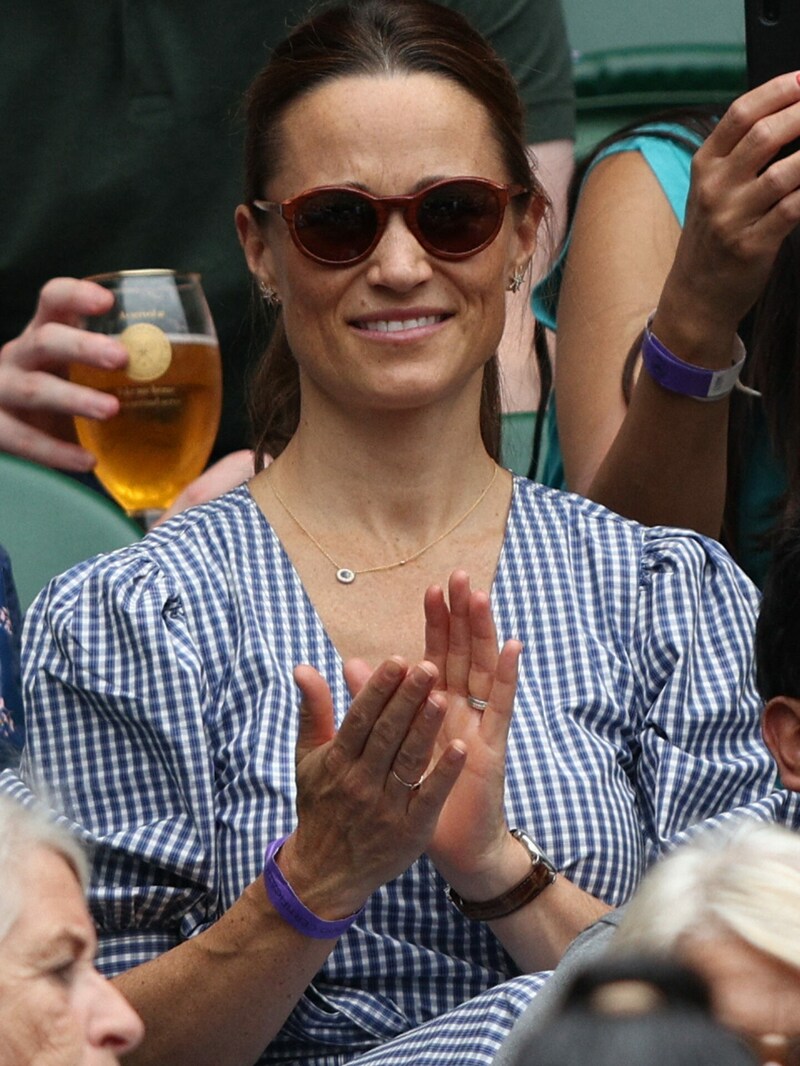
<point>146,518</point>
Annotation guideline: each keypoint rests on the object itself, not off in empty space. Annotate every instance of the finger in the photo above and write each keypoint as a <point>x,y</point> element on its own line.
<point>223,475</point>
<point>776,178</point>
<point>414,755</point>
<point>316,711</point>
<point>765,100</point>
<point>53,345</point>
<point>437,630</point>
<point>368,705</point>
<point>497,716</point>
<point>427,801</point>
<point>484,646</point>
<point>394,722</point>
<point>69,300</point>
<point>35,390</point>
<point>27,442</point>
<point>459,651</point>
<point>783,218</point>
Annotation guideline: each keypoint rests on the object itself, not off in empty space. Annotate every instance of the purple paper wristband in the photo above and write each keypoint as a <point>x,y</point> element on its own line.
<point>291,909</point>
<point>677,375</point>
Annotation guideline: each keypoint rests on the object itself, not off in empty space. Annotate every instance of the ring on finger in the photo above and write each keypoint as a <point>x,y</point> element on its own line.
<point>476,704</point>
<point>412,785</point>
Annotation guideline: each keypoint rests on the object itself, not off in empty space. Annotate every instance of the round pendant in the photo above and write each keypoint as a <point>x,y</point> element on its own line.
<point>345,576</point>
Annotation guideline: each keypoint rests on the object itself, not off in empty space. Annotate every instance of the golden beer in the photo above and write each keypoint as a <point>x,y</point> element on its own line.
<point>162,437</point>
<point>170,393</point>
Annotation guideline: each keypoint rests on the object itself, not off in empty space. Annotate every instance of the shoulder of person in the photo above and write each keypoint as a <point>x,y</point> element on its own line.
<point>154,574</point>
<point>594,529</point>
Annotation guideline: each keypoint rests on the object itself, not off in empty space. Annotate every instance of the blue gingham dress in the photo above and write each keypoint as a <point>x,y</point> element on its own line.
<point>163,715</point>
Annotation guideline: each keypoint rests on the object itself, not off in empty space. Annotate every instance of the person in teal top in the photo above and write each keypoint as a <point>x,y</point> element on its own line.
<point>640,238</point>
<point>670,162</point>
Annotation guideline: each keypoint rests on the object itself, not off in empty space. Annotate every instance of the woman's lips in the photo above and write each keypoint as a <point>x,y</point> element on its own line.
<point>407,322</point>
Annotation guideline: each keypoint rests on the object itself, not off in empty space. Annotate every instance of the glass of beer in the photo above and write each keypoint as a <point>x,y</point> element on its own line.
<point>170,393</point>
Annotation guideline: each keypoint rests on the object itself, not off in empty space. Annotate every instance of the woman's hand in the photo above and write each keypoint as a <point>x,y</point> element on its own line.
<point>472,847</point>
<point>220,477</point>
<point>741,206</point>
<point>360,821</point>
<point>37,403</point>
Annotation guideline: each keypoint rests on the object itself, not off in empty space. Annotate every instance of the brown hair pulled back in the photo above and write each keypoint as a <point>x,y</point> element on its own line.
<point>372,37</point>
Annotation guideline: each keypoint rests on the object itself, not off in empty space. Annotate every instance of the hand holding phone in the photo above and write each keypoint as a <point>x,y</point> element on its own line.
<point>772,34</point>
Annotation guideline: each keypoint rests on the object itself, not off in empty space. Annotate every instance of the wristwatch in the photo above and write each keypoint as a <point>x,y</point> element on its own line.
<point>541,874</point>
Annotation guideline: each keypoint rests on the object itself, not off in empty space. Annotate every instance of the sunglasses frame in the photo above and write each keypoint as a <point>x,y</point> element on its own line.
<point>383,206</point>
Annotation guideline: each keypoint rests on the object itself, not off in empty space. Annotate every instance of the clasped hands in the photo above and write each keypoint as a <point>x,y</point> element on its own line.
<point>414,767</point>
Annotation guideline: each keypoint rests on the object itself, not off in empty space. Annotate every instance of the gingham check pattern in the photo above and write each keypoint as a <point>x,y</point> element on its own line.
<point>162,713</point>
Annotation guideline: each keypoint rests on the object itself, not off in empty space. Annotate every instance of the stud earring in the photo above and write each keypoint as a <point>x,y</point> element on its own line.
<point>269,294</point>
<point>515,284</point>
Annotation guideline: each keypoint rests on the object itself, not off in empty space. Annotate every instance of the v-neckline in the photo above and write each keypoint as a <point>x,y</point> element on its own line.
<point>290,568</point>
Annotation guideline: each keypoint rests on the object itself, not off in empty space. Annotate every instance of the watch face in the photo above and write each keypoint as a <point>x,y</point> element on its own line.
<point>535,852</point>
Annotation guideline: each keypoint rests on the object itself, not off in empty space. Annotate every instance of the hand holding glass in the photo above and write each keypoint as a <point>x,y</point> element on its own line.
<point>170,393</point>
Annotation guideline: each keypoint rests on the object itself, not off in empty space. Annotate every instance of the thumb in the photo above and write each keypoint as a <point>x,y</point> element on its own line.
<point>316,711</point>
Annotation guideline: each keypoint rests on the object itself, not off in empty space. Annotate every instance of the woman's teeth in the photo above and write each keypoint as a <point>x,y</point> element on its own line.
<point>395,325</point>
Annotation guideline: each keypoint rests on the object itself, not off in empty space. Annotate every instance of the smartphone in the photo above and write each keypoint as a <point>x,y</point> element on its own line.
<point>772,35</point>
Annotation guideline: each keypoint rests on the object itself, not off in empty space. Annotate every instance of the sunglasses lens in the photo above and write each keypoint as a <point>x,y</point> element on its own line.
<point>458,217</point>
<point>336,226</point>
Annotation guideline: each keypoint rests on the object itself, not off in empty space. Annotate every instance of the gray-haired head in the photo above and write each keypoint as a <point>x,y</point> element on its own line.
<point>22,829</point>
<point>744,880</point>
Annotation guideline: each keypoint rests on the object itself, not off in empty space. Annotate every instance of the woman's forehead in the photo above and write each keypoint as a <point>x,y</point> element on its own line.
<point>385,130</point>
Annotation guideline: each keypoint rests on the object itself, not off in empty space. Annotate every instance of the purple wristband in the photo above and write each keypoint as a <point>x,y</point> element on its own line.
<point>677,375</point>
<point>290,908</point>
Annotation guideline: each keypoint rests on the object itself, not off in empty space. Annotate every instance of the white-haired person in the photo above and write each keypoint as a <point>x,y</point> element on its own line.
<point>727,904</point>
<point>55,1008</point>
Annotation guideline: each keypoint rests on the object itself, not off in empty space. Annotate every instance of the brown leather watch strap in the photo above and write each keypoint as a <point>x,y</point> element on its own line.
<point>542,873</point>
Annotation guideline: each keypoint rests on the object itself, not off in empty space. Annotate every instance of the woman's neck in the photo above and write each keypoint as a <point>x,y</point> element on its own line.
<point>373,509</point>
<point>385,471</point>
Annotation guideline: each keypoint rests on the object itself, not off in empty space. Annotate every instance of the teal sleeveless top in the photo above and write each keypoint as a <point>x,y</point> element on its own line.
<point>763,477</point>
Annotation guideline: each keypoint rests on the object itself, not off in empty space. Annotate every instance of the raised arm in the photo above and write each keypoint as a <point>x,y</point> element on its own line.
<point>662,459</point>
<point>623,242</point>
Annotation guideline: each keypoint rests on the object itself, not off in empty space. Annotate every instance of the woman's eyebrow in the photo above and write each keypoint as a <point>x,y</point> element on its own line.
<point>71,938</point>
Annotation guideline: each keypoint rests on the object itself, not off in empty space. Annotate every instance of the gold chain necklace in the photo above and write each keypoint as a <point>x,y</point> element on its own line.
<point>345,574</point>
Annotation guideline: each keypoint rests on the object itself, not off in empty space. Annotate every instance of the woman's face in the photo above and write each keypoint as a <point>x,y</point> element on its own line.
<point>752,992</point>
<point>389,135</point>
<point>55,1009</point>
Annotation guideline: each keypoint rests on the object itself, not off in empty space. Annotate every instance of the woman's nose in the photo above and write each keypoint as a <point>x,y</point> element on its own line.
<point>113,1023</point>
<point>399,261</point>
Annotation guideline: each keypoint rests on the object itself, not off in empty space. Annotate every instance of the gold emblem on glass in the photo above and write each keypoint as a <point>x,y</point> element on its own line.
<point>149,351</point>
